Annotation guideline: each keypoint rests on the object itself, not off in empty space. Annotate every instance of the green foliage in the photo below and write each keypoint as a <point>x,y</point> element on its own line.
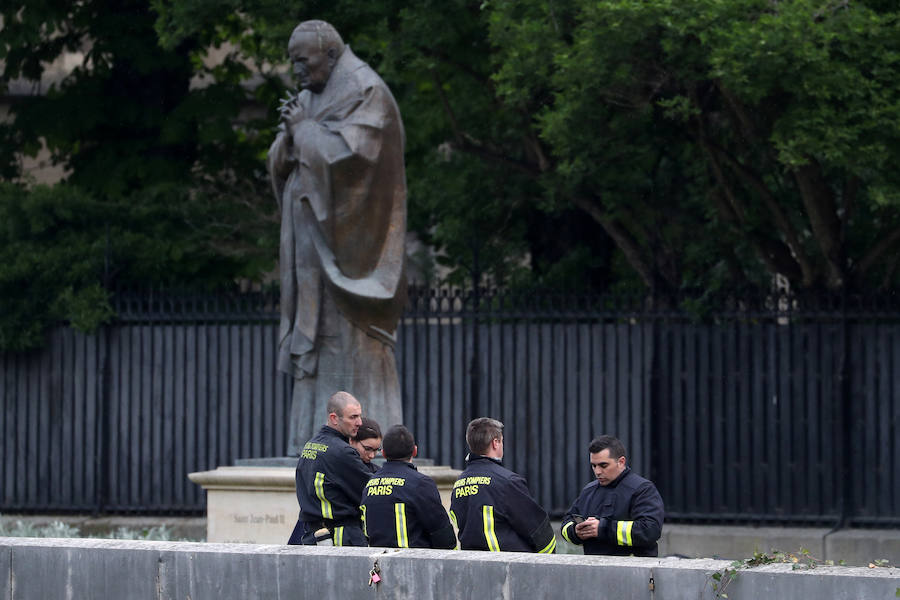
<point>776,123</point>
<point>61,250</point>
<point>802,559</point>
<point>165,183</point>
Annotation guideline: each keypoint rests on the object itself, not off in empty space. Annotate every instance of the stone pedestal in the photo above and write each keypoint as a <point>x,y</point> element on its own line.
<point>258,504</point>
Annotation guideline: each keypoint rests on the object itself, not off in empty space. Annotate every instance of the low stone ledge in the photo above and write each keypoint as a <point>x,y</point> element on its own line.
<point>33,568</point>
<point>857,547</point>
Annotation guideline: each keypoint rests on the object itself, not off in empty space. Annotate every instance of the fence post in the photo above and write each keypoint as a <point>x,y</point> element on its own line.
<point>844,415</point>
<point>475,359</point>
<point>102,430</point>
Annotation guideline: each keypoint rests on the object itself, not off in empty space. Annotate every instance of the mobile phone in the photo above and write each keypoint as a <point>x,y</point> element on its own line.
<point>577,519</point>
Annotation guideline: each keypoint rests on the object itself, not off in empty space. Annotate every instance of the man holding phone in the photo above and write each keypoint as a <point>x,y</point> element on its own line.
<point>619,513</point>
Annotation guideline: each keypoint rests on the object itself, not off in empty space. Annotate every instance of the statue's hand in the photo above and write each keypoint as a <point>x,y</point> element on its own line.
<point>291,112</point>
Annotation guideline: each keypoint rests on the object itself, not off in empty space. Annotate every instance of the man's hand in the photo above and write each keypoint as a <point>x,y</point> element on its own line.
<point>591,527</point>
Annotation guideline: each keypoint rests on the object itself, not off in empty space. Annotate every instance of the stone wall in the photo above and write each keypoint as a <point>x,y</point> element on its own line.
<point>32,569</point>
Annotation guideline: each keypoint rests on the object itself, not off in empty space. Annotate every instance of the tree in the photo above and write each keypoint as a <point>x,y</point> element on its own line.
<point>165,184</point>
<point>775,120</point>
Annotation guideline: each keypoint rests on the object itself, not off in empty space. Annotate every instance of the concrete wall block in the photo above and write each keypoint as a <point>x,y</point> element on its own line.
<point>441,574</point>
<point>581,577</point>
<point>58,569</point>
<point>836,583</point>
<point>130,570</point>
<point>697,541</point>
<point>862,546</point>
<point>5,565</point>
<point>224,571</point>
<point>681,579</point>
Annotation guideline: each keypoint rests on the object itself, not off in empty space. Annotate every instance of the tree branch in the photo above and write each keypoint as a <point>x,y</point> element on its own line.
<point>823,219</point>
<point>780,218</point>
<point>465,68</point>
<point>466,143</point>
<point>454,124</point>
<point>877,251</point>
<point>848,202</point>
<point>775,255</point>
<point>623,239</point>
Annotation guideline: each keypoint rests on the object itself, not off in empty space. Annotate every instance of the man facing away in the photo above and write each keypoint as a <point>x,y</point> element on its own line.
<point>491,505</point>
<point>620,512</point>
<point>402,507</point>
<point>330,478</point>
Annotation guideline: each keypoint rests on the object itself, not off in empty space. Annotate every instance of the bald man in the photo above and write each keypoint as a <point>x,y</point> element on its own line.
<point>330,478</point>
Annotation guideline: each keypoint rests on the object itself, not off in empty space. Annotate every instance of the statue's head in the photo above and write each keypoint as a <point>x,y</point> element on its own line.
<point>314,49</point>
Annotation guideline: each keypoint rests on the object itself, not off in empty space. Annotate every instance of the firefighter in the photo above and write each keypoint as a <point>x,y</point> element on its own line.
<point>620,512</point>
<point>330,478</point>
<point>402,507</point>
<point>491,505</point>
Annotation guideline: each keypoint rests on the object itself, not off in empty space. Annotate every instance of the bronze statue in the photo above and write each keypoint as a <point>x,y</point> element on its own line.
<point>337,172</point>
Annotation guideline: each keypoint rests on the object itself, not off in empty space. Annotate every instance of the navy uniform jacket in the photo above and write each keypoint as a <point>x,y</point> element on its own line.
<point>402,509</point>
<point>494,511</point>
<point>634,512</point>
<point>330,479</point>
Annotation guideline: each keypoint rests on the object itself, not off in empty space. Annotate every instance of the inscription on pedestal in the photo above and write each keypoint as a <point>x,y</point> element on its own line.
<point>258,505</point>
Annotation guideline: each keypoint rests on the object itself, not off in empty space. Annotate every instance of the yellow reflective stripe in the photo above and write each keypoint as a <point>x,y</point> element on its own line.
<point>338,536</point>
<point>453,518</point>
<point>566,529</point>
<point>363,519</point>
<point>487,515</point>
<point>320,494</point>
<point>549,548</point>
<point>400,521</point>
<point>623,532</point>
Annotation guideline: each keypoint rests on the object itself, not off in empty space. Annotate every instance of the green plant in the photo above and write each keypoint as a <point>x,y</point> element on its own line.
<point>802,559</point>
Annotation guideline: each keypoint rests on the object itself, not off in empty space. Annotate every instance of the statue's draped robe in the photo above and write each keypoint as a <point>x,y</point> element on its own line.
<point>342,191</point>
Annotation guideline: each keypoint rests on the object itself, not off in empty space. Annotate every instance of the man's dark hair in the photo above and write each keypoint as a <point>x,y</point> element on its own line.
<point>398,443</point>
<point>481,432</point>
<point>599,444</point>
<point>368,430</point>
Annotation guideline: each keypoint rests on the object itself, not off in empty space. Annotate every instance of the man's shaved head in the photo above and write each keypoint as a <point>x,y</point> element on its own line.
<point>344,413</point>
<point>338,402</point>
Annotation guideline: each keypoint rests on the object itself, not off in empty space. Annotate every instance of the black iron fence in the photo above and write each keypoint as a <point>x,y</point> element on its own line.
<point>785,410</point>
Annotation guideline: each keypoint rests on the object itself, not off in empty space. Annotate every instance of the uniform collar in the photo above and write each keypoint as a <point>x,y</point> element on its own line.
<point>618,479</point>
<point>401,462</point>
<point>472,459</point>
<point>328,430</point>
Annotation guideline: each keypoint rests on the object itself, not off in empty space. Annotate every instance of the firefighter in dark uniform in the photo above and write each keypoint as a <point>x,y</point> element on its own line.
<point>401,507</point>
<point>330,478</point>
<point>620,513</point>
<point>491,505</point>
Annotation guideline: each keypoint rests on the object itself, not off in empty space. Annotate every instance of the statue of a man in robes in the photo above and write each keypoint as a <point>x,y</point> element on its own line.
<point>337,172</point>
